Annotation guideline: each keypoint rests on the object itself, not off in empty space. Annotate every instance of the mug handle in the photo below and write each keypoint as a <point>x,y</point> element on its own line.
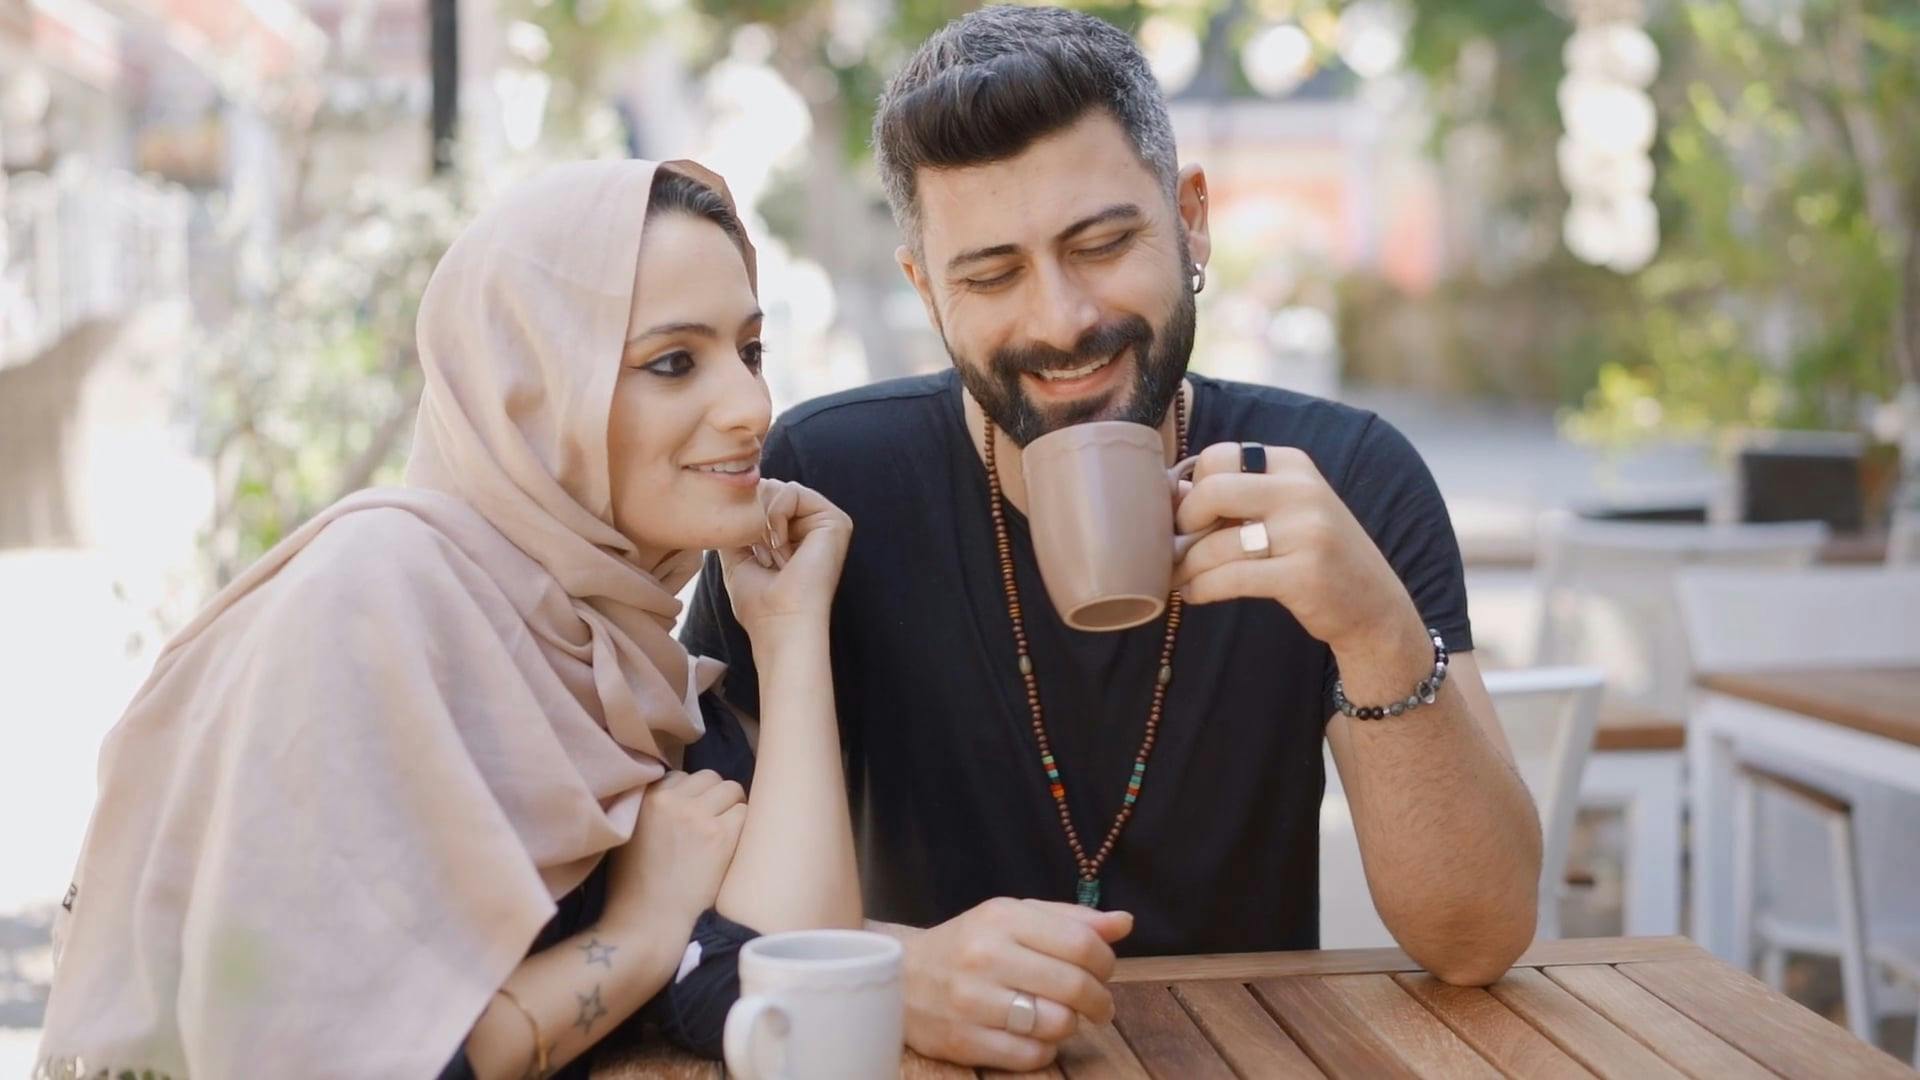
<point>744,1023</point>
<point>1183,473</point>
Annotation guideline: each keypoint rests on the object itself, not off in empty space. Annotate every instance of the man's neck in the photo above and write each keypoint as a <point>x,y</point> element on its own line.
<point>1007,454</point>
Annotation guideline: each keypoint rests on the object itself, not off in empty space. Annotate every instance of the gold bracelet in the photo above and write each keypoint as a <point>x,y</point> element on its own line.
<point>540,1053</point>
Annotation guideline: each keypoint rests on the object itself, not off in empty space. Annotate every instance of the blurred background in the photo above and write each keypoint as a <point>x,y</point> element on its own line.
<point>1651,260</point>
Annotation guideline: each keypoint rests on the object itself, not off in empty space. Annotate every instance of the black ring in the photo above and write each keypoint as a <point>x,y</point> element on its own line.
<point>1253,458</point>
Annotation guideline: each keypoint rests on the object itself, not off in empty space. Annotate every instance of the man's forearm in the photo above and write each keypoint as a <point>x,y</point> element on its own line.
<point>1448,834</point>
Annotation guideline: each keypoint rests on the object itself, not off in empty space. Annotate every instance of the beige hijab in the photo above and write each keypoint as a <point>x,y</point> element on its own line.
<point>335,817</point>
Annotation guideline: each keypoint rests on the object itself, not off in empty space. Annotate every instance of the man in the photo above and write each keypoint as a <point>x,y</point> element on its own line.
<point>1057,247</point>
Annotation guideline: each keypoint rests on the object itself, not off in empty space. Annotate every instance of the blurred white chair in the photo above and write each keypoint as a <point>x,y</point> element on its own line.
<point>1548,716</point>
<point>1865,906</point>
<point>1607,600</point>
<point>1903,543</point>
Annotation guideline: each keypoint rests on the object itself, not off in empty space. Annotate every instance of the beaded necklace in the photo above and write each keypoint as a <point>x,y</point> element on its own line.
<point>1087,889</point>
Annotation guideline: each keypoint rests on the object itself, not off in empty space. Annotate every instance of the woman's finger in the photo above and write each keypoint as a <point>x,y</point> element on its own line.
<point>785,503</point>
<point>721,797</point>
<point>697,783</point>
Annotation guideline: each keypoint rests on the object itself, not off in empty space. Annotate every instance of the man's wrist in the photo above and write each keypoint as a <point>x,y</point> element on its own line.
<point>1386,666</point>
<point>898,931</point>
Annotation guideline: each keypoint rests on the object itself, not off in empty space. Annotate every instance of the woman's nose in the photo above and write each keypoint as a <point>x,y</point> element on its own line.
<point>740,401</point>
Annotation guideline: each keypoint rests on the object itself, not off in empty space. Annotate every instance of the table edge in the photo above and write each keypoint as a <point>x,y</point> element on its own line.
<point>1558,953</point>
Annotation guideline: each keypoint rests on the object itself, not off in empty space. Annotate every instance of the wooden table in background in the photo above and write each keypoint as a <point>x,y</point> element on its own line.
<point>1605,1007</point>
<point>1877,701</point>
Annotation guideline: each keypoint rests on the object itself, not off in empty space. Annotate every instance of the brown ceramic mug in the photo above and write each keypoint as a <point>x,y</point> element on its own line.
<point>1100,502</point>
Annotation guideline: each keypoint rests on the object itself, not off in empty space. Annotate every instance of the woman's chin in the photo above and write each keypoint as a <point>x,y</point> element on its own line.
<point>727,529</point>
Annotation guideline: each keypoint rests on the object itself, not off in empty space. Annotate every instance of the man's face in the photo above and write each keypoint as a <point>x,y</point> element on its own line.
<point>1058,279</point>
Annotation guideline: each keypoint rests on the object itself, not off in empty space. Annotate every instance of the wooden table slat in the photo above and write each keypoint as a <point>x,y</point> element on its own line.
<point>1611,1053</point>
<point>1507,1042</point>
<point>1163,1036</point>
<point>1245,967</point>
<point>652,1061</point>
<point>1051,1072</point>
<point>1099,1053</point>
<point>1427,1045</point>
<point>1243,1032</point>
<point>1668,1032</point>
<point>1320,1019</point>
<point>1778,1033</point>
<point>1878,701</point>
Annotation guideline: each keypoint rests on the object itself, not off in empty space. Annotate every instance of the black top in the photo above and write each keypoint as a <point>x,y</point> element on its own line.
<point>950,801</point>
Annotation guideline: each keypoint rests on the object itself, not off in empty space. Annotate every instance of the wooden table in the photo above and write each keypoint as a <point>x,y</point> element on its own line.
<point>1606,1007</point>
<point>1861,722</point>
<point>1878,701</point>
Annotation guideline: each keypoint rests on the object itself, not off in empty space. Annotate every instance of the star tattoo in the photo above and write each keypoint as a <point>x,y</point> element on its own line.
<point>590,1010</point>
<point>598,953</point>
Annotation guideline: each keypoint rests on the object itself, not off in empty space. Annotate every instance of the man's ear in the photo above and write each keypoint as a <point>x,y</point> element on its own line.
<point>916,276</point>
<point>1190,195</point>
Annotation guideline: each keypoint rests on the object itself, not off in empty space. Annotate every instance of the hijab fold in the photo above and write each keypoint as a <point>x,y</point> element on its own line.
<point>346,800</point>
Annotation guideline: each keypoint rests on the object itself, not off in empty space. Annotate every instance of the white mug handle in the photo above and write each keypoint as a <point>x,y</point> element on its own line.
<point>744,1023</point>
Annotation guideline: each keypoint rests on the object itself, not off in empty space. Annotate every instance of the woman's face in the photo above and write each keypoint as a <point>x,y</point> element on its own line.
<point>690,409</point>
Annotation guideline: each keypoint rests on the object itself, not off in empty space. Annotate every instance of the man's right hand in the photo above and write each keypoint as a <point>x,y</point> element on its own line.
<point>961,977</point>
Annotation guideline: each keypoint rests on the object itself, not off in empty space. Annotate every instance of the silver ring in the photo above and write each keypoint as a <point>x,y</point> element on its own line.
<point>1022,1014</point>
<point>1254,541</point>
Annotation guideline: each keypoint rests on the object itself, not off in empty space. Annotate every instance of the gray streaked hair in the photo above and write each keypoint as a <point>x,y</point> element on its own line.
<point>991,83</point>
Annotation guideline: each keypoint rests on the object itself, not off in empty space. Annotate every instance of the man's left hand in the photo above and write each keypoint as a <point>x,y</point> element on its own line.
<point>1319,563</point>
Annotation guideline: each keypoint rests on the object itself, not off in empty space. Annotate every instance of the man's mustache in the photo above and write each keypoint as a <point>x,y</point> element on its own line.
<point>1096,344</point>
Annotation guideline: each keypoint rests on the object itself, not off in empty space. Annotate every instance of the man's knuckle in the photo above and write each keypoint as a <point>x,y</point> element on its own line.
<point>975,953</point>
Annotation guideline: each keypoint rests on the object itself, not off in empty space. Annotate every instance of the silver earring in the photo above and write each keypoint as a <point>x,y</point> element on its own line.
<point>1199,278</point>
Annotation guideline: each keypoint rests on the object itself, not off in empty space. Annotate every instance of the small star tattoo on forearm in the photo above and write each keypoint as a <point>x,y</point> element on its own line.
<point>598,953</point>
<point>590,1010</point>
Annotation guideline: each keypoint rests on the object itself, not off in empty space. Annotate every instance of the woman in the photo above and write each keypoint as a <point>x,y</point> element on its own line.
<point>440,723</point>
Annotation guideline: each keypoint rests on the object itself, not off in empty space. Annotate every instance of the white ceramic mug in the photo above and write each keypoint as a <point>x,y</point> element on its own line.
<point>817,1005</point>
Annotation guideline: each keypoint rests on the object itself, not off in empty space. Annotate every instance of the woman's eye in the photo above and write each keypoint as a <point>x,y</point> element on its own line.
<point>672,366</point>
<point>754,355</point>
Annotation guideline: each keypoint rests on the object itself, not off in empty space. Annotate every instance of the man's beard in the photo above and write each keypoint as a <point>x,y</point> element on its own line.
<point>1160,363</point>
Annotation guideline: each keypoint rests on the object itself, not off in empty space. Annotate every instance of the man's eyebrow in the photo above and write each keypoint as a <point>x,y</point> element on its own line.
<point>981,255</point>
<point>1116,212</point>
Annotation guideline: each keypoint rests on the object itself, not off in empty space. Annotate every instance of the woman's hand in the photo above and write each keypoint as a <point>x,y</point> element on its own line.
<point>680,850</point>
<point>788,581</point>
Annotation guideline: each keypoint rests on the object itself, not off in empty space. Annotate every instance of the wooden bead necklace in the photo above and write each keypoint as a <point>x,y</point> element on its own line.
<point>1087,889</point>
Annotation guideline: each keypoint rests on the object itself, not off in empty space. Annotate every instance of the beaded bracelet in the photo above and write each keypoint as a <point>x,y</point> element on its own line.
<point>1424,694</point>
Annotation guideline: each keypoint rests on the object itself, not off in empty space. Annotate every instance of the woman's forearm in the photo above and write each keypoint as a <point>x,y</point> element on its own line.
<point>576,992</point>
<point>794,868</point>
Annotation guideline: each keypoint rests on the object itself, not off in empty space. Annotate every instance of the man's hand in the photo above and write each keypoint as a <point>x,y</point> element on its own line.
<point>961,977</point>
<point>1320,564</point>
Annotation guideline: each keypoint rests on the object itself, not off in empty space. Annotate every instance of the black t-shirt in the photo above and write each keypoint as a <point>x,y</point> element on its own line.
<point>950,800</point>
